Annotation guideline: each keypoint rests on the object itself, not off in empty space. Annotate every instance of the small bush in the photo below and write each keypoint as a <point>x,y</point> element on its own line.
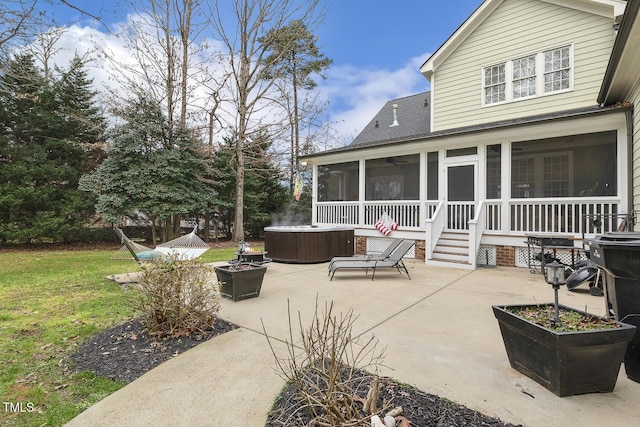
<point>327,367</point>
<point>177,297</point>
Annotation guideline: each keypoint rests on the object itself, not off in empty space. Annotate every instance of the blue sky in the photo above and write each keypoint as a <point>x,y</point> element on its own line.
<point>376,47</point>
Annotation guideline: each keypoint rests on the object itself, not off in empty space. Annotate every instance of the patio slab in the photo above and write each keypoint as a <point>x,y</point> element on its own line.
<point>440,334</point>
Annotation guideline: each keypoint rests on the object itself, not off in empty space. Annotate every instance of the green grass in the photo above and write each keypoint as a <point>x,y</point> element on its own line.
<point>50,302</point>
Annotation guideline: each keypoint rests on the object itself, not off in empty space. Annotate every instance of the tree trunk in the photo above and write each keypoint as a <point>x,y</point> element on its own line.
<point>238,223</point>
<point>207,225</point>
<point>154,231</point>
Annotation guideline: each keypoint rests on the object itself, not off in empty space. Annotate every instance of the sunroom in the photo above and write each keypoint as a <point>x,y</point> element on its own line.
<point>491,186</point>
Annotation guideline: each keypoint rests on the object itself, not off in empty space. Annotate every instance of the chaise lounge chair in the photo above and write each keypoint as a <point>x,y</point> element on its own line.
<point>368,257</point>
<point>394,261</point>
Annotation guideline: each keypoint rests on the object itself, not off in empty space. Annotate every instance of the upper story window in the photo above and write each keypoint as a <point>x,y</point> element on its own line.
<point>540,74</point>
<point>557,69</point>
<point>524,77</point>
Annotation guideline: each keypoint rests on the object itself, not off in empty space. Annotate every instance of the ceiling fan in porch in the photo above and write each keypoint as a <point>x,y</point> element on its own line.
<point>394,161</point>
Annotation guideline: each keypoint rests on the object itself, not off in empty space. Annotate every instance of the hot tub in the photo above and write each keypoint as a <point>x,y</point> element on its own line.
<point>307,243</point>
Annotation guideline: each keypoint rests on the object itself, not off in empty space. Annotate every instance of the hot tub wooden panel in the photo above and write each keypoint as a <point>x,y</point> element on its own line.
<point>304,245</point>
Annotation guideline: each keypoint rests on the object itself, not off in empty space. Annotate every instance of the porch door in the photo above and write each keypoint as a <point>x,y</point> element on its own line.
<point>462,190</point>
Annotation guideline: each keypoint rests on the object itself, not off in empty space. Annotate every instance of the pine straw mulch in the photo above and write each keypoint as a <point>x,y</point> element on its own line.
<point>125,352</point>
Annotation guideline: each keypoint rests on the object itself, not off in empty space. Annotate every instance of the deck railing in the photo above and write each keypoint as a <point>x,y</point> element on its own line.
<point>340,213</point>
<point>434,227</point>
<point>405,213</point>
<point>566,215</point>
<point>459,214</point>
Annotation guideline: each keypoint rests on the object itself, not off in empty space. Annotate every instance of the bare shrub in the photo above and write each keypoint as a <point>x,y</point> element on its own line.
<point>327,367</point>
<point>177,297</point>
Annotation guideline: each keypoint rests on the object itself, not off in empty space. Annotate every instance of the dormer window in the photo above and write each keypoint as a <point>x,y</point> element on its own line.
<point>540,74</point>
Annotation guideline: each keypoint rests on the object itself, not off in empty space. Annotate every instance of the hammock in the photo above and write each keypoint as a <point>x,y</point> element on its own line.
<point>189,246</point>
<point>138,252</point>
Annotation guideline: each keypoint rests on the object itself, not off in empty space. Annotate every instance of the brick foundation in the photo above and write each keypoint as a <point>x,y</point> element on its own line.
<point>419,249</point>
<point>505,256</point>
<point>361,245</point>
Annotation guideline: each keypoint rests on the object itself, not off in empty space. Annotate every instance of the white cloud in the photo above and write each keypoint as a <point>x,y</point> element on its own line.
<point>356,94</point>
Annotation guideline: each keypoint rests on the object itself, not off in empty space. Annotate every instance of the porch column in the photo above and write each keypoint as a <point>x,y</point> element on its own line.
<point>505,186</point>
<point>314,194</point>
<point>422,211</point>
<point>361,192</point>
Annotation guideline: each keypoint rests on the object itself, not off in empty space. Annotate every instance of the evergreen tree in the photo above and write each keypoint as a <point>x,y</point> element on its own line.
<point>264,192</point>
<point>42,159</point>
<point>150,169</point>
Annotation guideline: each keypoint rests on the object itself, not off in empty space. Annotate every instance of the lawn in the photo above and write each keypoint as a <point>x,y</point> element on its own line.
<point>50,301</point>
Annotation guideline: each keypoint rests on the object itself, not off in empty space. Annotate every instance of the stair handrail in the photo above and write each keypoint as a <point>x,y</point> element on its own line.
<point>477,227</point>
<point>434,228</point>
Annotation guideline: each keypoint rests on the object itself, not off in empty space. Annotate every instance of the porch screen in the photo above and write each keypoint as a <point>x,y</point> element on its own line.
<point>338,182</point>
<point>393,178</point>
<point>574,166</point>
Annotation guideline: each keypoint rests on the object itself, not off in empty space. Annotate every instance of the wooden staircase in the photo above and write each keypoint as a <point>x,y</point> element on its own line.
<point>452,250</point>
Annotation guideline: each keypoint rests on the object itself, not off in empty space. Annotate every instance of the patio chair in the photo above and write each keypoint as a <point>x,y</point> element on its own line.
<point>394,261</point>
<point>375,256</point>
<point>139,252</point>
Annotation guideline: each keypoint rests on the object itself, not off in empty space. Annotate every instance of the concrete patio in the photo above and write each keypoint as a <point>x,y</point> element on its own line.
<point>439,330</point>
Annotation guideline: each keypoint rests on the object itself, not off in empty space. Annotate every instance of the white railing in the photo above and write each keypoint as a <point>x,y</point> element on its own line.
<point>343,213</point>
<point>430,208</point>
<point>570,216</point>
<point>434,228</point>
<point>476,229</point>
<point>459,214</point>
<point>405,213</point>
<point>493,216</point>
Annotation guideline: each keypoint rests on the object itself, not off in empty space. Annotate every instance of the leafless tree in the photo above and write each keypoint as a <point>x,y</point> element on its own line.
<point>241,28</point>
<point>161,37</point>
<point>21,20</point>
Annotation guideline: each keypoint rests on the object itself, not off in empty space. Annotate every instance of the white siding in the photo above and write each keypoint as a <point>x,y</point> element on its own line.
<point>515,29</point>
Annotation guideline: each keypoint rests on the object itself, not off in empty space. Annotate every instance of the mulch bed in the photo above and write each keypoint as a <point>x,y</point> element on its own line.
<point>418,408</point>
<point>125,352</point>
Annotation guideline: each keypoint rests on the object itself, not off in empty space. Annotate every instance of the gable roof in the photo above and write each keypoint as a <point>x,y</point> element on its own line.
<point>622,70</point>
<point>608,8</point>
<point>412,115</point>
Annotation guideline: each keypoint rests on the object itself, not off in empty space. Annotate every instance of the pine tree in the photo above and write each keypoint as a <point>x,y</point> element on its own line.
<point>42,158</point>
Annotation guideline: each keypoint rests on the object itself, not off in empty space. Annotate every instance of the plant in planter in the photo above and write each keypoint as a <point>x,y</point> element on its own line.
<point>241,280</point>
<point>567,351</point>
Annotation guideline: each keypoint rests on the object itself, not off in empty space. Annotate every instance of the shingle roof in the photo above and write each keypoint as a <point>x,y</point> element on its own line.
<point>413,114</point>
<point>412,133</point>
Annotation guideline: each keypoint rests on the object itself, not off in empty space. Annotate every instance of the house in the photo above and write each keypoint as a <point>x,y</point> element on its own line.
<point>621,85</point>
<point>511,141</point>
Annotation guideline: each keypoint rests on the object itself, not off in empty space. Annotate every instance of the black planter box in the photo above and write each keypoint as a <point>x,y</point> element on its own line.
<point>239,284</point>
<point>566,363</point>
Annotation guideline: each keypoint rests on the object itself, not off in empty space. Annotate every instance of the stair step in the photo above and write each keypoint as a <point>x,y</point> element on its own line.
<point>462,237</point>
<point>453,243</point>
<point>451,249</point>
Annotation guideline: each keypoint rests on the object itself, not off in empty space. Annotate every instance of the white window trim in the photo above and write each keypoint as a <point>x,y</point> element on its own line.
<point>508,69</point>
